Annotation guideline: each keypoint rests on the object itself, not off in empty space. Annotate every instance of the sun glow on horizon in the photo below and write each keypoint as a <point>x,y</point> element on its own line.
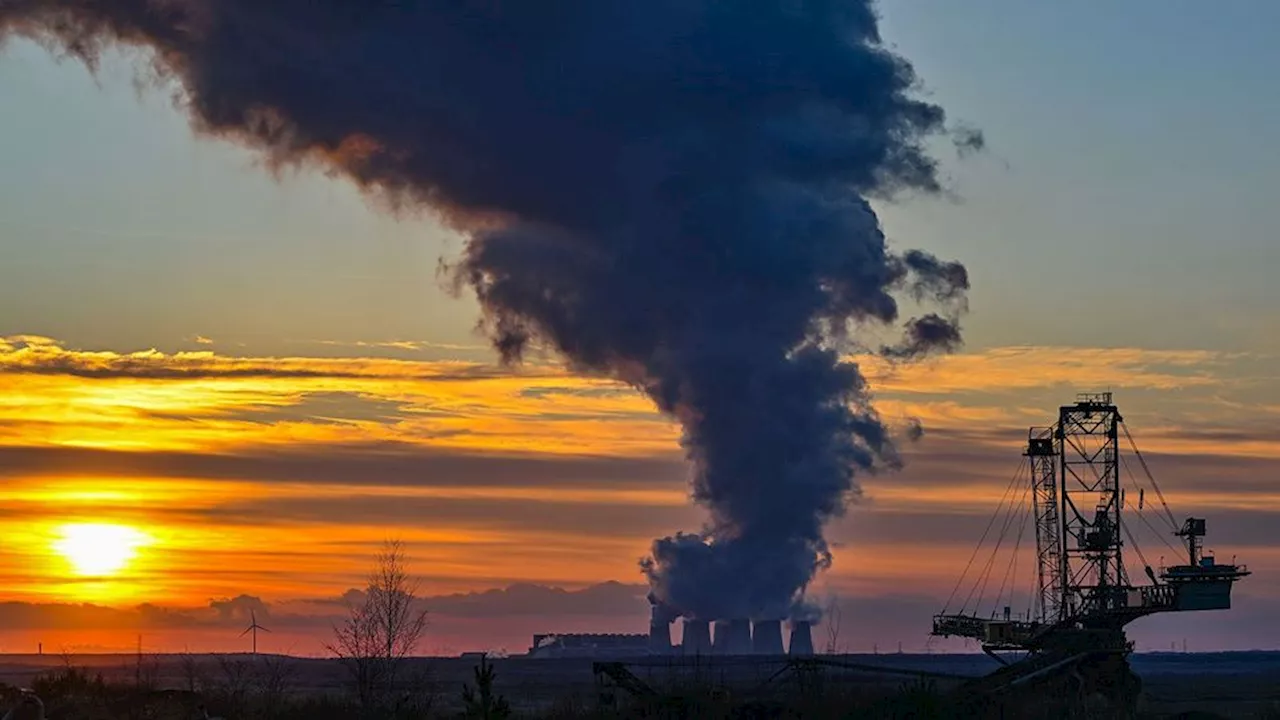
<point>98,549</point>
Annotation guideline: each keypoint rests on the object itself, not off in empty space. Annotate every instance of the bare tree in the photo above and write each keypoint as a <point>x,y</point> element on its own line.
<point>832,624</point>
<point>383,628</point>
<point>192,672</point>
<point>235,683</point>
<point>272,680</point>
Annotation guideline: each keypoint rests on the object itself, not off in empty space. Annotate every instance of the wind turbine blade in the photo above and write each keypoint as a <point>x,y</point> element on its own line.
<point>246,631</point>
<point>263,629</point>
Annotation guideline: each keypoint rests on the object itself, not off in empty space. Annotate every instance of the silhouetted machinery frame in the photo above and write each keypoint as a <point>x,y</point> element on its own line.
<point>1085,596</point>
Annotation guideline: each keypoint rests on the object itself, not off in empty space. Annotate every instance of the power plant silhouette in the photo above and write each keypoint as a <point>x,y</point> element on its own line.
<point>735,637</point>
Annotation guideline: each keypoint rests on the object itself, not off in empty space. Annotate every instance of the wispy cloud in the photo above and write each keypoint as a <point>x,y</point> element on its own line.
<point>521,599</point>
<point>406,345</point>
<point>1020,368</point>
<point>154,400</point>
<point>44,356</point>
<point>238,466</point>
<point>151,400</point>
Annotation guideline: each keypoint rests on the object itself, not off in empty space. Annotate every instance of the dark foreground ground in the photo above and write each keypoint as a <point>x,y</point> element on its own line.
<point>1232,685</point>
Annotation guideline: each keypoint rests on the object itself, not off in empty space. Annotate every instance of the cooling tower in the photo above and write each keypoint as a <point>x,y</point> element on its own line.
<point>733,637</point>
<point>659,634</point>
<point>801,637</point>
<point>720,640</point>
<point>766,637</point>
<point>697,637</point>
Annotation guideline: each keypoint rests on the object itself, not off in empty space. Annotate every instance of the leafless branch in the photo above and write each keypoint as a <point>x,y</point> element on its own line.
<point>383,628</point>
<point>832,623</point>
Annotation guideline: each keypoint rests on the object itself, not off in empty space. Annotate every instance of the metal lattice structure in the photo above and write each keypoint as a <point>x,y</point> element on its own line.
<point>1043,454</point>
<point>1092,568</point>
<point>1084,594</point>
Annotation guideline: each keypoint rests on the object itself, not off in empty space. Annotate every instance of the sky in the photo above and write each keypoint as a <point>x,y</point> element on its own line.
<point>251,380</point>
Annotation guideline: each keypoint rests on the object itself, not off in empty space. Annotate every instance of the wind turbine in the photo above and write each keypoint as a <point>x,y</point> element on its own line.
<point>254,627</point>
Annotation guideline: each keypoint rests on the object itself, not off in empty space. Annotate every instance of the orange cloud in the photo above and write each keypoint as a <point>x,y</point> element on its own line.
<point>151,401</point>
<point>208,431</point>
<point>201,400</point>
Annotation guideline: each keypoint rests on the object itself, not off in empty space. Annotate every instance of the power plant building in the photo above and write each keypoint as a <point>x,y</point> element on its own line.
<point>697,637</point>
<point>801,638</point>
<point>766,637</point>
<point>589,645</point>
<point>731,638</point>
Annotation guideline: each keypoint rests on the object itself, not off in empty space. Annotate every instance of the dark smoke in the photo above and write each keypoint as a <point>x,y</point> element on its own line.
<point>924,335</point>
<point>914,431</point>
<point>668,192</point>
<point>968,140</point>
<point>936,280</point>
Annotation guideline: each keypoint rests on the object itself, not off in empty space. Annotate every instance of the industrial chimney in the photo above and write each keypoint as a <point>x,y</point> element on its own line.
<point>801,637</point>
<point>766,637</point>
<point>659,632</point>
<point>697,637</point>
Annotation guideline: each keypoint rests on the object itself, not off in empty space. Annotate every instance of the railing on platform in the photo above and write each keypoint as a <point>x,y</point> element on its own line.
<point>959,626</point>
<point>1158,596</point>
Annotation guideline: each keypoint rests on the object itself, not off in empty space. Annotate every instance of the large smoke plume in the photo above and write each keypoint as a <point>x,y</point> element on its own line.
<point>672,193</point>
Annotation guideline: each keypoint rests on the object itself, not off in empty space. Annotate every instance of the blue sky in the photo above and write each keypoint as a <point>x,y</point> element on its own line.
<point>1125,200</point>
<point>1139,139</point>
<point>120,229</point>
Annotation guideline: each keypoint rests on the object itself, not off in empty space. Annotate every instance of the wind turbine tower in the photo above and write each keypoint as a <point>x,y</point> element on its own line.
<point>253,628</point>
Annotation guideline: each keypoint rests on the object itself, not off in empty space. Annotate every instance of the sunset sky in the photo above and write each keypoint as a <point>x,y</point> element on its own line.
<point>223,389</point>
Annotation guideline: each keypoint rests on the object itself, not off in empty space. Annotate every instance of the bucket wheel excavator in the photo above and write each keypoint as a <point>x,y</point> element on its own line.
<point>1071,486</point>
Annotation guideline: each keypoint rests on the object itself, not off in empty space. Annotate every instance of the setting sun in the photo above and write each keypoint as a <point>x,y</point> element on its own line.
<point>97,549</point>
